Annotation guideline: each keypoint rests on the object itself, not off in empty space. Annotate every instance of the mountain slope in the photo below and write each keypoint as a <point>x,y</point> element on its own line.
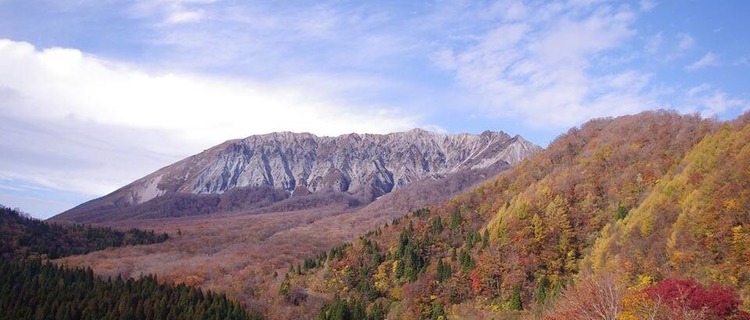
<point>516,243</point>
<point>695,223</point>
<point>269,168</point>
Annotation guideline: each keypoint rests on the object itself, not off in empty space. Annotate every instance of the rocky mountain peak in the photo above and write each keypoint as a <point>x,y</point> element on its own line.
<point>365,166</point>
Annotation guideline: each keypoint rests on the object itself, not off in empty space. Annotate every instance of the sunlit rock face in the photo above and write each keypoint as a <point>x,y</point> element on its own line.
<point>366,166</point>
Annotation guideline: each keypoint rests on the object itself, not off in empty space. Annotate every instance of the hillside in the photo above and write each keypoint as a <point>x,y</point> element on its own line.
<point>695,223</point>
<point>22,237</point>
<point>621,205</point>
<point>33,288</point>
<point>301,171</point>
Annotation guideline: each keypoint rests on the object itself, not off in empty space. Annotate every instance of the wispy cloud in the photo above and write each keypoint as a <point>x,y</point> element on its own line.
<point>277,38</point>
<point>171,11</point>
<point>648,5</point>
<point>709,101</point>
<point>544,69</point>
<point>743,61</point>
<point>685,42</point>
<point>707,60</point>
<point>185,16</point>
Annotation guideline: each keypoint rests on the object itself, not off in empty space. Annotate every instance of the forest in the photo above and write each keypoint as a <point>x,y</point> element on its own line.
<point>636,217</point>
<point>22,236</point>
<point>36,290</point>
<point>31,287</point>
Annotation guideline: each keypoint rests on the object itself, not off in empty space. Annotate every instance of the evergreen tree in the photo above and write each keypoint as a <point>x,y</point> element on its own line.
<point>515,299</point>
<point>32,290</point>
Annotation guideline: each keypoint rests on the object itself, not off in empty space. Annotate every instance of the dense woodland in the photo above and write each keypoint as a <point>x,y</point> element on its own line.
<point>636,217</point>
<point>22,236</point>
<point>33,288</point>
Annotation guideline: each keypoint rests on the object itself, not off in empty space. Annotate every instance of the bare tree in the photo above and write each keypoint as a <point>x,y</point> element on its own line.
<point>597,297</point>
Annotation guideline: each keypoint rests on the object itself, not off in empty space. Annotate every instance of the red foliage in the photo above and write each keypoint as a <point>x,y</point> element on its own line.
<point>713,303</point>
<point>476,281</point>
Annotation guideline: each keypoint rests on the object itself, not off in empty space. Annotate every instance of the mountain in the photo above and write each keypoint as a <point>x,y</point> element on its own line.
<point>262,170</point>
<point>635,217</point>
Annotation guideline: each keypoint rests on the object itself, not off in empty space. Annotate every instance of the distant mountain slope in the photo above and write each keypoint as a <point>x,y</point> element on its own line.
<point>260,170</point>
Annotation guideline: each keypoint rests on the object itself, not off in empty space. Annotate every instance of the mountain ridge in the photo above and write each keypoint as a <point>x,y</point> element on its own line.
<point>365,166</point>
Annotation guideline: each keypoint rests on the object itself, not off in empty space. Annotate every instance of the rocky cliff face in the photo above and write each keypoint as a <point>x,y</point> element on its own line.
<point>366,166</point>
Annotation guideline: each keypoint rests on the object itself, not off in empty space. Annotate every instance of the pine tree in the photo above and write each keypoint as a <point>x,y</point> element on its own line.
<point>285,286</point>
<point>515,299</point>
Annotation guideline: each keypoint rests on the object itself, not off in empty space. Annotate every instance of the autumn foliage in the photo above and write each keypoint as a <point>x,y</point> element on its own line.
<point>652,196</point>
<point>606,297</point>
<point>620,218</point>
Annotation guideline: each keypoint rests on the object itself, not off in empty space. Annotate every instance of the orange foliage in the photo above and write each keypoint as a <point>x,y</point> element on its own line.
<point>695,222</point>
<point>597,297</point>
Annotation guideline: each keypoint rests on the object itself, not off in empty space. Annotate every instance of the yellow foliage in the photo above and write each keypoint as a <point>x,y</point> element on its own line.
<point>636,306</point>
<point>643,281</point>
<point>345,270</point>
<point>740,244</point>
<point>731,205</point>
<point>381,277</point>
<point>396,293</point>
<point>647,225</point>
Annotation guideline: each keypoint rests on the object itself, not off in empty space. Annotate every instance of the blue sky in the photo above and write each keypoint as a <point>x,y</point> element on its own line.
<point>97,93</point>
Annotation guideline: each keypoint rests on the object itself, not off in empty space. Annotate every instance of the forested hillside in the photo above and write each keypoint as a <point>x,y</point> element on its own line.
<point>33,288</point>
<point>22,236</point>
<point>644,208</point>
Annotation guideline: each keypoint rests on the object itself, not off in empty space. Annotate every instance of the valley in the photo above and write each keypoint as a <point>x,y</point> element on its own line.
<point>257,231</point>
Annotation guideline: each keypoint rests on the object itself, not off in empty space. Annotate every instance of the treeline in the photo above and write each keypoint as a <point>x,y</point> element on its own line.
<point>23,236</point>
<point>35,290</point>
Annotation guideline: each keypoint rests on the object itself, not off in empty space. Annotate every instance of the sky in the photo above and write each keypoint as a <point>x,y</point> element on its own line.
<point>95,94</point>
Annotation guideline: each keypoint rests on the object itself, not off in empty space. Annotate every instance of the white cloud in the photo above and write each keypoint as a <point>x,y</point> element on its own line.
<point>111,122</point>
<point>647,5</point>
<point>707,60</point>
<point>685,42</point>
<point>544,70</point>
<point>742,61</point>
<point>509,10</point>
<point>711,102</point>
<point>185,17</point>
